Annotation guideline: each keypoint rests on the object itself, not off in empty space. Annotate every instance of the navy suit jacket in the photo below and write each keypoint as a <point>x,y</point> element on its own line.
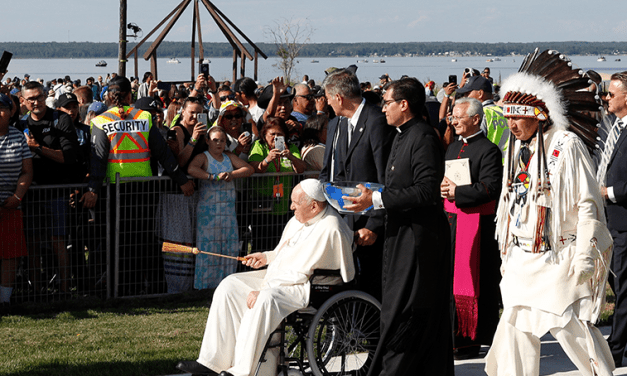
<point>363,160</point>
<point>617,178</point>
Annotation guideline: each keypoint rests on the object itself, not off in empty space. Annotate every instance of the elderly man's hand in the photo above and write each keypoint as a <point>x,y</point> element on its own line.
<point>255,260</point>
<point>252,298</point>
<point>361,202</point>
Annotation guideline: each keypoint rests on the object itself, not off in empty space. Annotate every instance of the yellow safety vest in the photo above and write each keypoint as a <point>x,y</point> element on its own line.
<point>129,153</point>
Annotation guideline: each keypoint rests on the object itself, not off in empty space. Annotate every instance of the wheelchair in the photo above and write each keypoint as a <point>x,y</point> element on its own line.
<point>337,334</point>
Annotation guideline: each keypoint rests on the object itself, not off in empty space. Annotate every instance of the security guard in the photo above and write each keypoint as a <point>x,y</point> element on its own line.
<point>123,141</point>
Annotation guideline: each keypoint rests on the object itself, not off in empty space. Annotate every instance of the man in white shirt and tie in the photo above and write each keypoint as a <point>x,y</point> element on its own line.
<point>358,147</point>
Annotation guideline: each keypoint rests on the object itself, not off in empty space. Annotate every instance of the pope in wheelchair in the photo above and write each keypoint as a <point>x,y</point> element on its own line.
<point>248,307</point>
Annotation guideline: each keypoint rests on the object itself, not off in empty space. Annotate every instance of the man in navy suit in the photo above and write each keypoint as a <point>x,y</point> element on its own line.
<point>357,149</point>
<point>614,190</point>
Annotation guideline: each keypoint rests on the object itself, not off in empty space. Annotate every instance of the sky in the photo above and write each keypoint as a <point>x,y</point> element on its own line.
<point>337,21</point>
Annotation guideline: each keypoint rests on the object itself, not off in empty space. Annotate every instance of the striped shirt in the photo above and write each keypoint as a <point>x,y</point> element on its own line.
<point>13,149</point>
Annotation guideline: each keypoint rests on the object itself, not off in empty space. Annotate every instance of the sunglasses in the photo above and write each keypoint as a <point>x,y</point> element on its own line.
<point>233,116</point>
<point>229,97</point>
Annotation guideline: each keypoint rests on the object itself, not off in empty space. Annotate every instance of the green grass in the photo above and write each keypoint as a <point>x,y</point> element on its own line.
<point>122,337</point>
<point>114,337</point>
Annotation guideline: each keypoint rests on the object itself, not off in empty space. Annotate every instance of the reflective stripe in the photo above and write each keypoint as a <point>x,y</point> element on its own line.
<point>132,159</point>
<point>496,124</point>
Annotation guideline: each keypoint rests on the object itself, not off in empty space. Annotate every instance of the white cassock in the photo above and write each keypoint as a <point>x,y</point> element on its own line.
<point>235,335</point>
<point>540,290</point>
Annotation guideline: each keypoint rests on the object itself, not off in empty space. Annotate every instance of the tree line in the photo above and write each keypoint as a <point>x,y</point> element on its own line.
<point>37,50</point>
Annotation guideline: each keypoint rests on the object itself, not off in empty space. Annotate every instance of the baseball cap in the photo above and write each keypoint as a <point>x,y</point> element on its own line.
<point>65,99</point>
<point>476,83</point>
<point>148,104</point>
<point>97,107</point>
<point>5,101</point>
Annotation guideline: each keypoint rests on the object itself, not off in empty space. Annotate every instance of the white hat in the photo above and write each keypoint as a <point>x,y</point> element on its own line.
<point>313,188</point>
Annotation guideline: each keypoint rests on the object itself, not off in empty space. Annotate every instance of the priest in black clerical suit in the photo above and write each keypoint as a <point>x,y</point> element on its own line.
<point>471,209</point>
<point>416,325</point>
<point>357,149</point>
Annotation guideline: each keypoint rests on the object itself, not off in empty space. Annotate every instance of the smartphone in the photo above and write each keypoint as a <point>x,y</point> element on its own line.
<point>5,60</point>
<point>171,135</point>
<point>279,143</point>
<point>164,86</point>
<point>202,118</point>
<point>204,69</point>
<point>452,79</point>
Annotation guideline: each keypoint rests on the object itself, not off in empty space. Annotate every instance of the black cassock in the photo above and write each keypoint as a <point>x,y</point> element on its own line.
<point>416,328</point>
<point>486,173</point>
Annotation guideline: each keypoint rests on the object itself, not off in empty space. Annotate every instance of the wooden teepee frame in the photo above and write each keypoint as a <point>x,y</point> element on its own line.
<point>238,48</point>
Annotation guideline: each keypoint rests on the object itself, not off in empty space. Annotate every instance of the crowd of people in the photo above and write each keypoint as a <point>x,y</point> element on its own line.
<point>459,165</point>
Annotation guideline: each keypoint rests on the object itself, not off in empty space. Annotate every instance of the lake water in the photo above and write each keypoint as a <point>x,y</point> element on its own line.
<point>424,68</point>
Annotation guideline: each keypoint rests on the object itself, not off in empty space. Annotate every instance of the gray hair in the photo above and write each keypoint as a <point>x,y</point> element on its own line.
<point>300,85</point>
<point>474,106</point>
<point>622,78</point>
<point>342,82</point>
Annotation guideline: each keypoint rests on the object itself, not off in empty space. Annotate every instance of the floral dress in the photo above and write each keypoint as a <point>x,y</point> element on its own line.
<point>216,226</point>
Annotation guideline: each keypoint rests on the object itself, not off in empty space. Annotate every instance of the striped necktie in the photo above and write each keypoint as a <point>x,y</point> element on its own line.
<point>608,150</point>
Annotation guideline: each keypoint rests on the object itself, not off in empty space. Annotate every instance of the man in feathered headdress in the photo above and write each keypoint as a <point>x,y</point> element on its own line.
<point>550,223</point>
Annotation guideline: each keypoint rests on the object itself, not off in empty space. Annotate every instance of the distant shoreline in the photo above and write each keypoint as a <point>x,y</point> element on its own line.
<point>91,50</point>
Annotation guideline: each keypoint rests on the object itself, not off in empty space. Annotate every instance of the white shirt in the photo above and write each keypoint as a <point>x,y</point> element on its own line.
<point>610,190</point>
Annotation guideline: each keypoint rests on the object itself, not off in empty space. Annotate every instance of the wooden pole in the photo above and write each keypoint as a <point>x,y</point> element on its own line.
<point>201,50</point>
<point>153,63</point>
<point>195,15</point>
<point>256,60</point>
<point>242,68</point>
<point>136,57</point>
<point>122,43</point>
<point>234,65</point>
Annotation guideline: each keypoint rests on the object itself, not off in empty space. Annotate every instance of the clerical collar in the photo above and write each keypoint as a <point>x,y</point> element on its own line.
<point>469,137</point>
<point>315,219</point>
<point>405,126</point>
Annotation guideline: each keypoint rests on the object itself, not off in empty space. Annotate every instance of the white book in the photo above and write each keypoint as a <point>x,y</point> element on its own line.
<point>458,170</point>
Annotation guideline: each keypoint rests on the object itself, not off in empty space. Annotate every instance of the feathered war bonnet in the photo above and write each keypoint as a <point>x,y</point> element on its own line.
<point>548,88</point>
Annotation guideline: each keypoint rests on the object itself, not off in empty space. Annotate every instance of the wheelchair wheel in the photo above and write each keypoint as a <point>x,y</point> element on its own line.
<point>344,335</point>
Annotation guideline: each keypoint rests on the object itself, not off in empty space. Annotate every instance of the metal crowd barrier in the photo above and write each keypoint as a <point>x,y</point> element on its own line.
<point>115,249</point>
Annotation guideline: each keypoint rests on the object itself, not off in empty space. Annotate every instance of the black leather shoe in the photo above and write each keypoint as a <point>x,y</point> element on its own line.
<point>224,373</point>
<point>195,368</point>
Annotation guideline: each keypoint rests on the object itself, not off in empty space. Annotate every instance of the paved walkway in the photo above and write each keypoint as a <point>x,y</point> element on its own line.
<point>553,361</point>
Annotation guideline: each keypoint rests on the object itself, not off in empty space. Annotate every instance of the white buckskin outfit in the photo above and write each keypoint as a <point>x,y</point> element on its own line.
<point>554,244</point>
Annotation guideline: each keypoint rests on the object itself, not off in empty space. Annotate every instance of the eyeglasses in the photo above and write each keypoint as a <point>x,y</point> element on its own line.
<point>32,100</point>
<point>611,95</point>
<point>387,103</point>
<point>457,118</point>
<point>233,116</point>
<point>307,97</point>
<point>229,97</point>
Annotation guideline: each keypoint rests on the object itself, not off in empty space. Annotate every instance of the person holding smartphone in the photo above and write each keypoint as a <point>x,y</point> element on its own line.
<point>240,133</point>
<point>272,153</point>
<point>190,132</point>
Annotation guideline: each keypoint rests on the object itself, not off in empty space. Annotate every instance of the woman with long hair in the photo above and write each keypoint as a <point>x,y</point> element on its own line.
<point>216,226</point>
